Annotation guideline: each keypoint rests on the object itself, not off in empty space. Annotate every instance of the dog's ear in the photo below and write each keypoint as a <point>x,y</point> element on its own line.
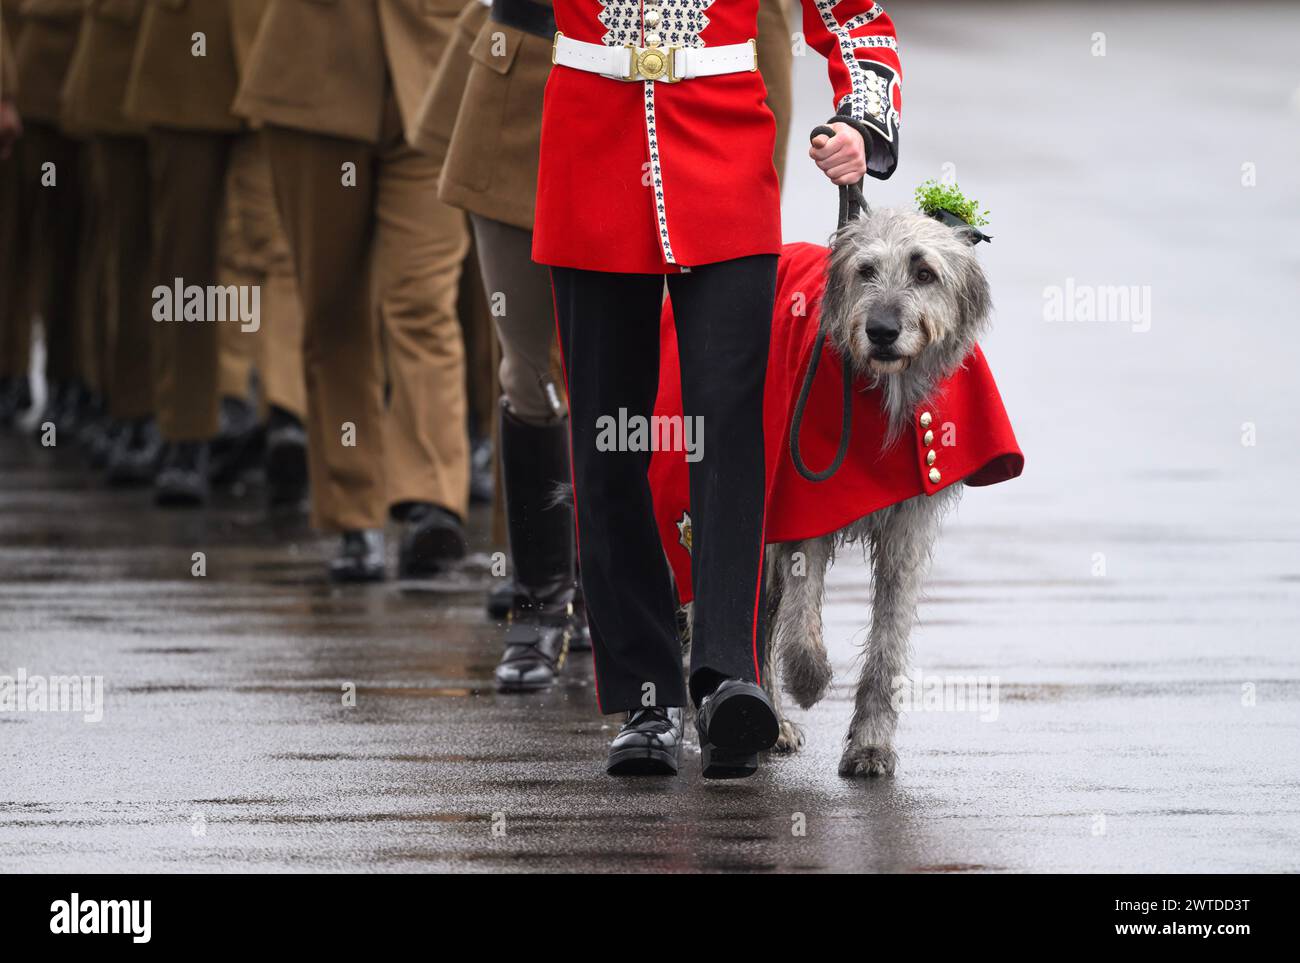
<point>838,272</point>
<point>976,298</point>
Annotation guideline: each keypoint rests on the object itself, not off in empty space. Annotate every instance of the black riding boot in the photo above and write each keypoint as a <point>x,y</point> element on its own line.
<point>535,464</point>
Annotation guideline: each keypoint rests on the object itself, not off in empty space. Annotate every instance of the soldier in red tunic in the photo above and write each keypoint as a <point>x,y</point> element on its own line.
<point>656,162</point>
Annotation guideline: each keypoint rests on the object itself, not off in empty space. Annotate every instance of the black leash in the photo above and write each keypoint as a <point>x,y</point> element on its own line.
<point>852,203</point>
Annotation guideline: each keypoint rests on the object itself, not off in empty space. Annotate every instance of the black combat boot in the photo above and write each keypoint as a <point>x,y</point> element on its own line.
<point>15,399</point>
<point>137,452</point>
<point>286,459</point>
<point>182,481</point>
<point>433,538</point>
<point>360,558</point>
<point>238,444</point>
<point>535,463</point>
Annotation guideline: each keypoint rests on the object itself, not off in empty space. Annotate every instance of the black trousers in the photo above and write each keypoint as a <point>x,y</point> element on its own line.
<point>609,333</point>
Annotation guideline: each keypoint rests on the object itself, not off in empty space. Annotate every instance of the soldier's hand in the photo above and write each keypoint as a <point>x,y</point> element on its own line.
<point>842,158</point>
<point>11,127</point>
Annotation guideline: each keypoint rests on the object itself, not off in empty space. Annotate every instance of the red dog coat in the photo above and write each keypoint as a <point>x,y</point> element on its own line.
<point>964,425</point>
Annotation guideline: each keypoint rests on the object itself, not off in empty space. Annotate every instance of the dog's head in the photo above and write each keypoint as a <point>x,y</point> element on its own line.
<point>905,301</point>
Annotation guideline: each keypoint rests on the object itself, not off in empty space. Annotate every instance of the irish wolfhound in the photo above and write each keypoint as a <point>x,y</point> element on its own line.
<point>905,301</point>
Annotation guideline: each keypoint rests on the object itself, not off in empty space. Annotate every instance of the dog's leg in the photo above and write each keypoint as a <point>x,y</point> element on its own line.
<point>805,669</point>
<point>791,735</point>
<point>901,539</point>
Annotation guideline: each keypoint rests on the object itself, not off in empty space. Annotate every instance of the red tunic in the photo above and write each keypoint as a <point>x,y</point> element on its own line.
<point>973,441</point>
<point>647,176</point>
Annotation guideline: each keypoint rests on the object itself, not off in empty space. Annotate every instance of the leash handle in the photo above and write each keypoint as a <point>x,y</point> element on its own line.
<point>852,204</point>
<point>852,201</point>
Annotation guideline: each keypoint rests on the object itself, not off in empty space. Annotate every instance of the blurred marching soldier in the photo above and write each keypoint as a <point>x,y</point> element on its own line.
<point>377,256</point>
<point>50,201</point>
<point>488,167</point>
<point>119,163</point>
<point>253,251</point>
<point>181,84</point>
<point>213,225</point>
<point>15,389</point>
<point>491,171</point>
<point>437,118</point>
<point>480,342</point>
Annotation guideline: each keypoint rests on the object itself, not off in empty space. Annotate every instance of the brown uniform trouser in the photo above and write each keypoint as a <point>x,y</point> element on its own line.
<point>55,268</point>
<point>255,253</point>
<point>121,191</point>
<point>17,205</point>
<point>188,170</point>
<point>378,268</point>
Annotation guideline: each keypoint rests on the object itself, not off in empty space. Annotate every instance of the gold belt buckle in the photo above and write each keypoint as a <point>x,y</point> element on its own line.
<point>651,63</point>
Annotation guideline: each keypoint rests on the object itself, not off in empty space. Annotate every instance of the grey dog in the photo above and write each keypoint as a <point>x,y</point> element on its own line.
<point>906,300</point>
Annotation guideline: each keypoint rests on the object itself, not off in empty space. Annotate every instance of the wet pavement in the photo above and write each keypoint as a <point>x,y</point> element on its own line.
<point>1136,593</point>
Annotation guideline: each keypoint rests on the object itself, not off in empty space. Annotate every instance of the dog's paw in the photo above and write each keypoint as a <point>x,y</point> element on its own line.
<point>868,761</point>
<point>806,674</point>
<point>791,737</point>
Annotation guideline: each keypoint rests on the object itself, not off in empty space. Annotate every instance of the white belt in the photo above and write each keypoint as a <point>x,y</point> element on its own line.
<point>666,64</point>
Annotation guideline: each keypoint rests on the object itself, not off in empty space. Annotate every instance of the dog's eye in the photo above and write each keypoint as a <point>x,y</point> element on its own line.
<point>924,276</point>
<point>866,270</point>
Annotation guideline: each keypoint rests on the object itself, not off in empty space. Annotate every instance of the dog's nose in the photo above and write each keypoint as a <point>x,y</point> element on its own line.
<point>883,328</point>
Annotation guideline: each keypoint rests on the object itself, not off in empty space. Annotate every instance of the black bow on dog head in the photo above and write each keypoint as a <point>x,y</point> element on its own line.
<point>971,234</point>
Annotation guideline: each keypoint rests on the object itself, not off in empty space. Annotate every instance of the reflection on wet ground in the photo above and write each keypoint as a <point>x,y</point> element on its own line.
<point>226,744</point>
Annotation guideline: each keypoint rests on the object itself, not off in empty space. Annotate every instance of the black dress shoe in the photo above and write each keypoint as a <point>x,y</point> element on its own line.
<point>360,557</point>
<point>286,459</point>
<point>15,399</point>
<point>431,538</point>
<point>649,744</point>
<point>182,481</point>
<point>736,722</point>
<point>137,451</point>
<point>99,438</point>
<point>536,645</point>
<point>238,444</point>
<point>72,411</point>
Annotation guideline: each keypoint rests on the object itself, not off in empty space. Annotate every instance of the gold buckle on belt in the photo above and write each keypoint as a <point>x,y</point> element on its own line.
<point>651,63</point>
